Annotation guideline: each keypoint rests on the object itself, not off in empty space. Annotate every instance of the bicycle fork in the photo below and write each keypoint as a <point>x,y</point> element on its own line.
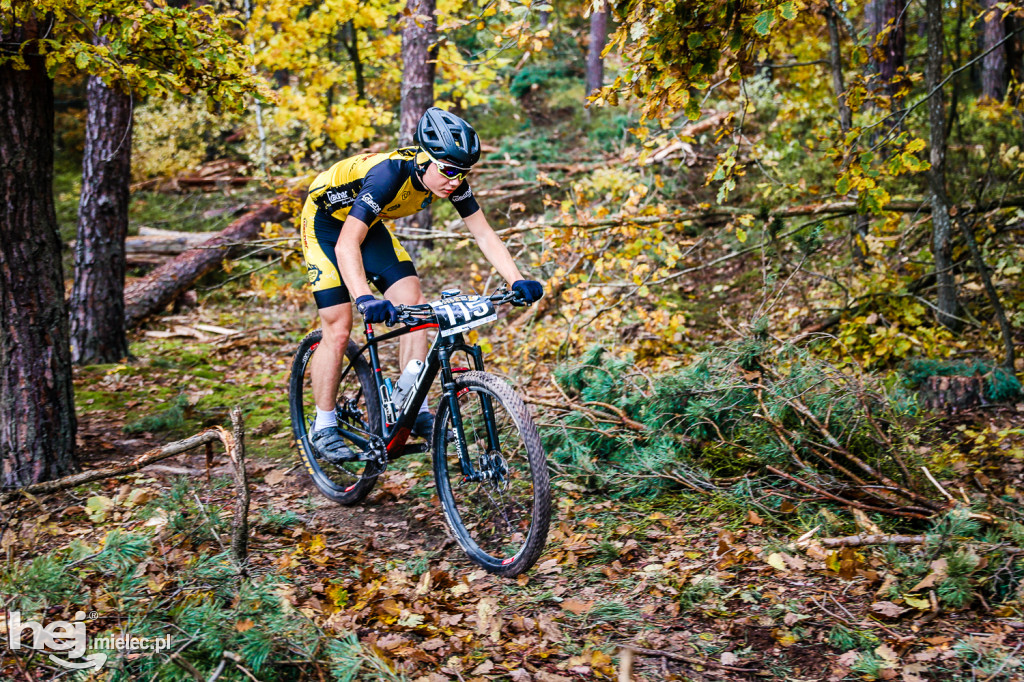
<point>469,472</point>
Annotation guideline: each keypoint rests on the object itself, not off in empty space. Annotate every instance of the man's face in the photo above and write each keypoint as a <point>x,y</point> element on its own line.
<point>439,184</point>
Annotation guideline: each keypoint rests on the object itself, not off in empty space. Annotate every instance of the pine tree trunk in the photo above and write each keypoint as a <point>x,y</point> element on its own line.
<point>37,410</point>
<point>993,64</point>
<point>419,55</point>
<point>598,36</point>
<point>942,225</point>
<point>419,52</point>
<point>97,299</point>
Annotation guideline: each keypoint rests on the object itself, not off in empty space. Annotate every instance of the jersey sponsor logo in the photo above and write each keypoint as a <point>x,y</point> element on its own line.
<point>465,195</point>
<point>313,273</point>
<point>343,198</point>
<point>405,194</point>
<point>393,208</point>
<point>368,200</point>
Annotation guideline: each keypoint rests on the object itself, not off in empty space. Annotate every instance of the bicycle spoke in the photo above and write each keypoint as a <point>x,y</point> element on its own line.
<point>344,482</point>
<point>497,512</point>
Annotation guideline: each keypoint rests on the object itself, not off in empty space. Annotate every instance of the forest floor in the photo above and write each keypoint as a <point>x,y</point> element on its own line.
<point>681,586</point>
<point>695,590</point>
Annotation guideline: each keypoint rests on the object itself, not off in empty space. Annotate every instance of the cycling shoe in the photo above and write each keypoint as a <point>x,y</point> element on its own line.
<point>424,425</point>
<point>329,444</point>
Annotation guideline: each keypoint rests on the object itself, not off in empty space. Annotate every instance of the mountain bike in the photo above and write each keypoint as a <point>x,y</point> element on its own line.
<point>488,463</point>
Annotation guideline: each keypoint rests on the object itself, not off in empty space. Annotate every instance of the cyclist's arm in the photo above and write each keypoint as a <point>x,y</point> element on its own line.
<point>492,247</point>
<point>379,187</point>
<point>350,258</point>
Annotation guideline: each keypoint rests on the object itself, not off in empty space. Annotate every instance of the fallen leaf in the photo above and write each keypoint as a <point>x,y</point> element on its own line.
<point>141,496</point>
<point>864,522</point>
<point>545,676</point>
<point>888,609</point>
<point>888,654</point>
<point>482,669</point>
<point>791,619</point>
<point>576,606</point>
<point>98,506</point>
<point>274,477</point>
<point>244,625</point>
<point>432,644</point>
<point>938,574</point>
<point>753,518</point>
<point>848,659</point>
<point>776,561</point>
<point>728,658</point>
<point>795,563</point>
<point>488,619</point>
<point>911,670</point>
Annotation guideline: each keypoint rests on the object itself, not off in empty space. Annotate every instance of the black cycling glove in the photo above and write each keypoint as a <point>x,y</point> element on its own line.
<point>376,311</point>
<point>530,290</point>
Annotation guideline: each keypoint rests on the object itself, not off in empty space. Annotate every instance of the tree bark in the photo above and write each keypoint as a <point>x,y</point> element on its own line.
<point>993,65</point>
<point>151,294</point>
<point>598,36</point>
<point>942,227</point>
<point>891,48</point>
<point>419,58</point>
<point>37,409</point>
<point>859,223</point>
<point>97,298</point>
<point>350,41</point>
<point>1005,328</point>
<point>419,55</point>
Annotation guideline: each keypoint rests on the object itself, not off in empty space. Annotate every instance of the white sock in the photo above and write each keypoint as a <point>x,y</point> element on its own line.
<point>424,408</point>
<point>325,418</point>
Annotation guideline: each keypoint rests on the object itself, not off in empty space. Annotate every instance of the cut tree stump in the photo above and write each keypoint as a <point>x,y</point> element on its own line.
<point>953,394</point>
<point>154,292</point>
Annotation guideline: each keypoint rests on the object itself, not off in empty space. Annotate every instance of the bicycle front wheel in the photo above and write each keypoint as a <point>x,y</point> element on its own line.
<point>358,411</point>
<point>500,511</point>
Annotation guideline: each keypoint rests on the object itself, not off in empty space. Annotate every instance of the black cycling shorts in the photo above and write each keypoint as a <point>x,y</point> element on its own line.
<point>385,260</point>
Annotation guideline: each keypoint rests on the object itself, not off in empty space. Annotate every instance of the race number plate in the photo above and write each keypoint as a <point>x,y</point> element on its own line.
<point>460,313</point>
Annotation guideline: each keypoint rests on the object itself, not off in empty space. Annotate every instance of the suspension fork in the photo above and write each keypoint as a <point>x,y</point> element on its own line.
<point>451,394</point>
<point>493,445</point>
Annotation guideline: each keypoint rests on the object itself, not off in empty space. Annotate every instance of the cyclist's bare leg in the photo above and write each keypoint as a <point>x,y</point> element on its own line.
<point>411,346</point>
<point>325,365</point>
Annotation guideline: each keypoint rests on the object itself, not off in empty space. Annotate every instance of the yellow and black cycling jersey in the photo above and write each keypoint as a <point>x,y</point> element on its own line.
<point>369,187</point>
<point>385,185</point>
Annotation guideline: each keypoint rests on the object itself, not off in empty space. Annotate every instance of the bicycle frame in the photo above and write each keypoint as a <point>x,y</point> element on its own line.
<point>439,358</point>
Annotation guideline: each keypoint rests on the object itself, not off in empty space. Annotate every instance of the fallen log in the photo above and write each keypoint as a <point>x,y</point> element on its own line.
<point>170,243</point>
<point>151,240</point>
<point>151,294</point>
<point>210,435</point>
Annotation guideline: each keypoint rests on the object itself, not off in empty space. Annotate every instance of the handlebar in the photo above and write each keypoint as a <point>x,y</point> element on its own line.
<point>412,313</point>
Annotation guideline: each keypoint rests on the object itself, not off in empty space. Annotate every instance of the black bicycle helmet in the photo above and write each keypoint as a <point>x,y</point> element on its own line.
<point>446,137</point>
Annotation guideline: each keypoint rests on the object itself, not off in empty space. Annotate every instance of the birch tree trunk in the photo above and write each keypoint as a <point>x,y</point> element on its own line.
<point>37,410</point>
<point>97,298</point>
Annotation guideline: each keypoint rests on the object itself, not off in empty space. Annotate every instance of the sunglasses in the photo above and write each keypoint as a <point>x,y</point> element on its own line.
<point>450,171</point>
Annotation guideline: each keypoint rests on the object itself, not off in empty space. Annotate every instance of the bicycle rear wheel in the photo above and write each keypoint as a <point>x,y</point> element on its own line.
<point>501,522</point>
<point>358,411</point>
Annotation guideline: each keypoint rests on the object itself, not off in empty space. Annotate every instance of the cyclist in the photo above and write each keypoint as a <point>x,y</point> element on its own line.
<point>347,246</point>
